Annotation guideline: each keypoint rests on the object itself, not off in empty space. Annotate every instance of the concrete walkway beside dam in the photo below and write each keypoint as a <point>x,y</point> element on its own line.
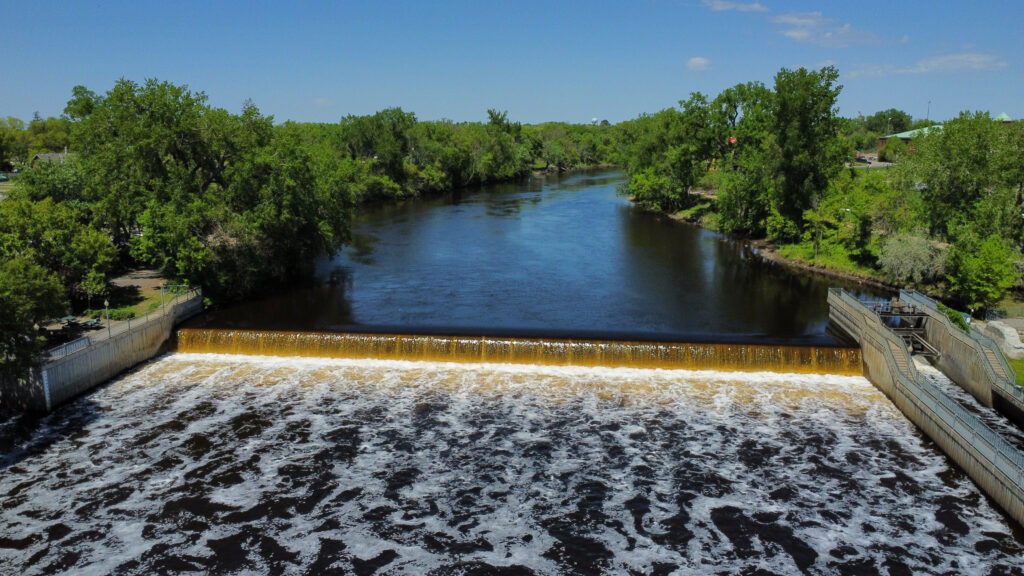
<point>994,464</point>
<point>80,365</point>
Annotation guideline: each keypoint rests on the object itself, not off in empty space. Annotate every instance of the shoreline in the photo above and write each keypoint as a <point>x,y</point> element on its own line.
<point>766,250</point>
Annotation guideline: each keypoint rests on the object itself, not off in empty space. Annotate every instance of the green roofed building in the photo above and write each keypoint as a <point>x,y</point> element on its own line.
<point>909,134</point>
<point>1004,118</point>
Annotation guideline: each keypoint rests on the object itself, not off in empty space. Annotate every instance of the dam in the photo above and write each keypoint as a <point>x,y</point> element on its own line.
<point>226,462</point>
<point>307,433</point>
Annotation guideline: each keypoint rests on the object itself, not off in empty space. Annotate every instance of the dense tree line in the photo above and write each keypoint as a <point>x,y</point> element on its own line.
<point>949,218</point>
<point>20,141</point>
<point>157,177</point>
<point>775,151</point>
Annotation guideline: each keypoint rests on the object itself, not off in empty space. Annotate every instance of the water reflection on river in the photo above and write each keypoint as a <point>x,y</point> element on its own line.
<point>226,464</point>
<point>562,256</point>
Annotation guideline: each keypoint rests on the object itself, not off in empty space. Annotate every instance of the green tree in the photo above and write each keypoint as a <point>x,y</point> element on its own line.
<point>955,168</point>
<point>743,124</point>
<point>59,181</point>
<point>675,147</point>
<point>55,236</point>
<point>47,135</point>
<point>806,130</point>
<point>980,272</point>
<point>13,143</point>
<point>912,258</point>
<point>142,144</point>
<point>892,151</point>
<point>29,295</point>
<point>891,121</point>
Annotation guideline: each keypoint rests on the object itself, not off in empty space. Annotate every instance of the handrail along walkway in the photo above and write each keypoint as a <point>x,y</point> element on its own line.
<point>994,464</point>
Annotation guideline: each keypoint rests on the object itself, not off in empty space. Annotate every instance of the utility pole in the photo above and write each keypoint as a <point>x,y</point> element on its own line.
<point>928,114</point>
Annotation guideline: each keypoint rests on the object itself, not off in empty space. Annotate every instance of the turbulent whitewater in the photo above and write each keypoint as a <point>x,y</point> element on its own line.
<point>252,465</point>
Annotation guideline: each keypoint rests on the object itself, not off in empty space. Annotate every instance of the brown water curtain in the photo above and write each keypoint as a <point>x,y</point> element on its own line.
<point>667,355</point>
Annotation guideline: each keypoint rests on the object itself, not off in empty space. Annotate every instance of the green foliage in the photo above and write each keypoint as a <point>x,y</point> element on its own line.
<point>957,318</point>
<point>912,258</point>
<point>980,271</point>
<point>29,294</point>
<point>672,148</point>
<point>892,151</point>
<point>120,314</point>
<point>781,228</point>
<point>806,130</point>
<point>12,143</point>
<point>891,121</point>
<point>57,237</point>
<point>954,167</point>
<point>651,190</point>
<point>58,181</point>
<point>746,165</point>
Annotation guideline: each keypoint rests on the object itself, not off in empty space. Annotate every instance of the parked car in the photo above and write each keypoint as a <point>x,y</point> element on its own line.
<point>4,178</point>
<point>862,159</point>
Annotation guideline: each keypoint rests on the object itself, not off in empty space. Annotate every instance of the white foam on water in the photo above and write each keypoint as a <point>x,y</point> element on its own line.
<point>435,464</point>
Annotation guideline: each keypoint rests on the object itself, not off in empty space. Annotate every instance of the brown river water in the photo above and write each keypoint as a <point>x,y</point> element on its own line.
<point>263,465</point>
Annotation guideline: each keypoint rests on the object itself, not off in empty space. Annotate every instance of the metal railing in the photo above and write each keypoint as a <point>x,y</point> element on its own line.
<point>979,342</point>
<point>973,433</point>
<point>171,297</point>
<point>69,347</point>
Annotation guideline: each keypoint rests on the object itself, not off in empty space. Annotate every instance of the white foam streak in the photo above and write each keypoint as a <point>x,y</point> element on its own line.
<point>436,463</point>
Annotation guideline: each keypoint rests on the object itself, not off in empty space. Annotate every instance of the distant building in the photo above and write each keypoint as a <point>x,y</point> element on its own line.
<point>50,158</point>
<point>1003,118</point>
<point>909,134</point>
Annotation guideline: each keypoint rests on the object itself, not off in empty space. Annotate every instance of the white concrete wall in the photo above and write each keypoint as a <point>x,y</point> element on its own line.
<point>994,465</point>
<point>57,381</point>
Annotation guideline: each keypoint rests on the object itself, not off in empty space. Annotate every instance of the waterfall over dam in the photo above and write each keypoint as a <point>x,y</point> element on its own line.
<point>734,357</point>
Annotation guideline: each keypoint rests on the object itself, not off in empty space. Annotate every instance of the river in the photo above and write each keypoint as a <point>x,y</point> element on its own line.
<point>565,256</point>
<point>224,464</point>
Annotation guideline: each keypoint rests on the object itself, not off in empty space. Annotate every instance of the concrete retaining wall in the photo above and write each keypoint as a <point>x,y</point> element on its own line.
<point>57,381</point>
<point>973,361</point>
<point>994,465</point>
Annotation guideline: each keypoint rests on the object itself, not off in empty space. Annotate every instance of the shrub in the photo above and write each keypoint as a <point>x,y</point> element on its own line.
<point>981,272</point>
<point>124,313</point>
<point>957,318</point>
<point>893,149</point>
<point>911,258</point>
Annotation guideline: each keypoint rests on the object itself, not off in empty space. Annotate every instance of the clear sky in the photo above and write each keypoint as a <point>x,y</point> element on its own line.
<point>558,60</point>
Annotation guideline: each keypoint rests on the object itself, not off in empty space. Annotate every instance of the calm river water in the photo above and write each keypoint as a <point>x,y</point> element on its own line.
<point>220,464</point>
<point>563,256</point>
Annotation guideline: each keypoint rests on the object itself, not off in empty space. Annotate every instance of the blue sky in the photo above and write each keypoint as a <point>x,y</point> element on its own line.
<point>540,61</point>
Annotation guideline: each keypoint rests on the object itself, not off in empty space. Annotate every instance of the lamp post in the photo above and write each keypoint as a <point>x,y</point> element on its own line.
<point>887,121</point>
<point>106,307</point>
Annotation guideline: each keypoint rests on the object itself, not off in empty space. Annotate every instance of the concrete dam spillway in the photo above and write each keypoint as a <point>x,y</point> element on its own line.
<point>282,437</point>
<point>229,463</point>
<point>730,357</point>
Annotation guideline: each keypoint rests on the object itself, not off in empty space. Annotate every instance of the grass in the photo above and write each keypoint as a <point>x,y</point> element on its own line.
<point>829,256</point>
<point>1011,306</point>
<point>1018,369</point>
<point>696,212</point>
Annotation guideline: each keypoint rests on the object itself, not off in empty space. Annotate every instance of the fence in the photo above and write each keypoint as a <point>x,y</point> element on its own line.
<point>78,366</point>
<point>995,465</point>
<point>170,297</point>
<point>978,358</point>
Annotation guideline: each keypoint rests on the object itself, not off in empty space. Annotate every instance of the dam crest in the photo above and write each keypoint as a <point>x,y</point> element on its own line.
<point>734,357</point>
